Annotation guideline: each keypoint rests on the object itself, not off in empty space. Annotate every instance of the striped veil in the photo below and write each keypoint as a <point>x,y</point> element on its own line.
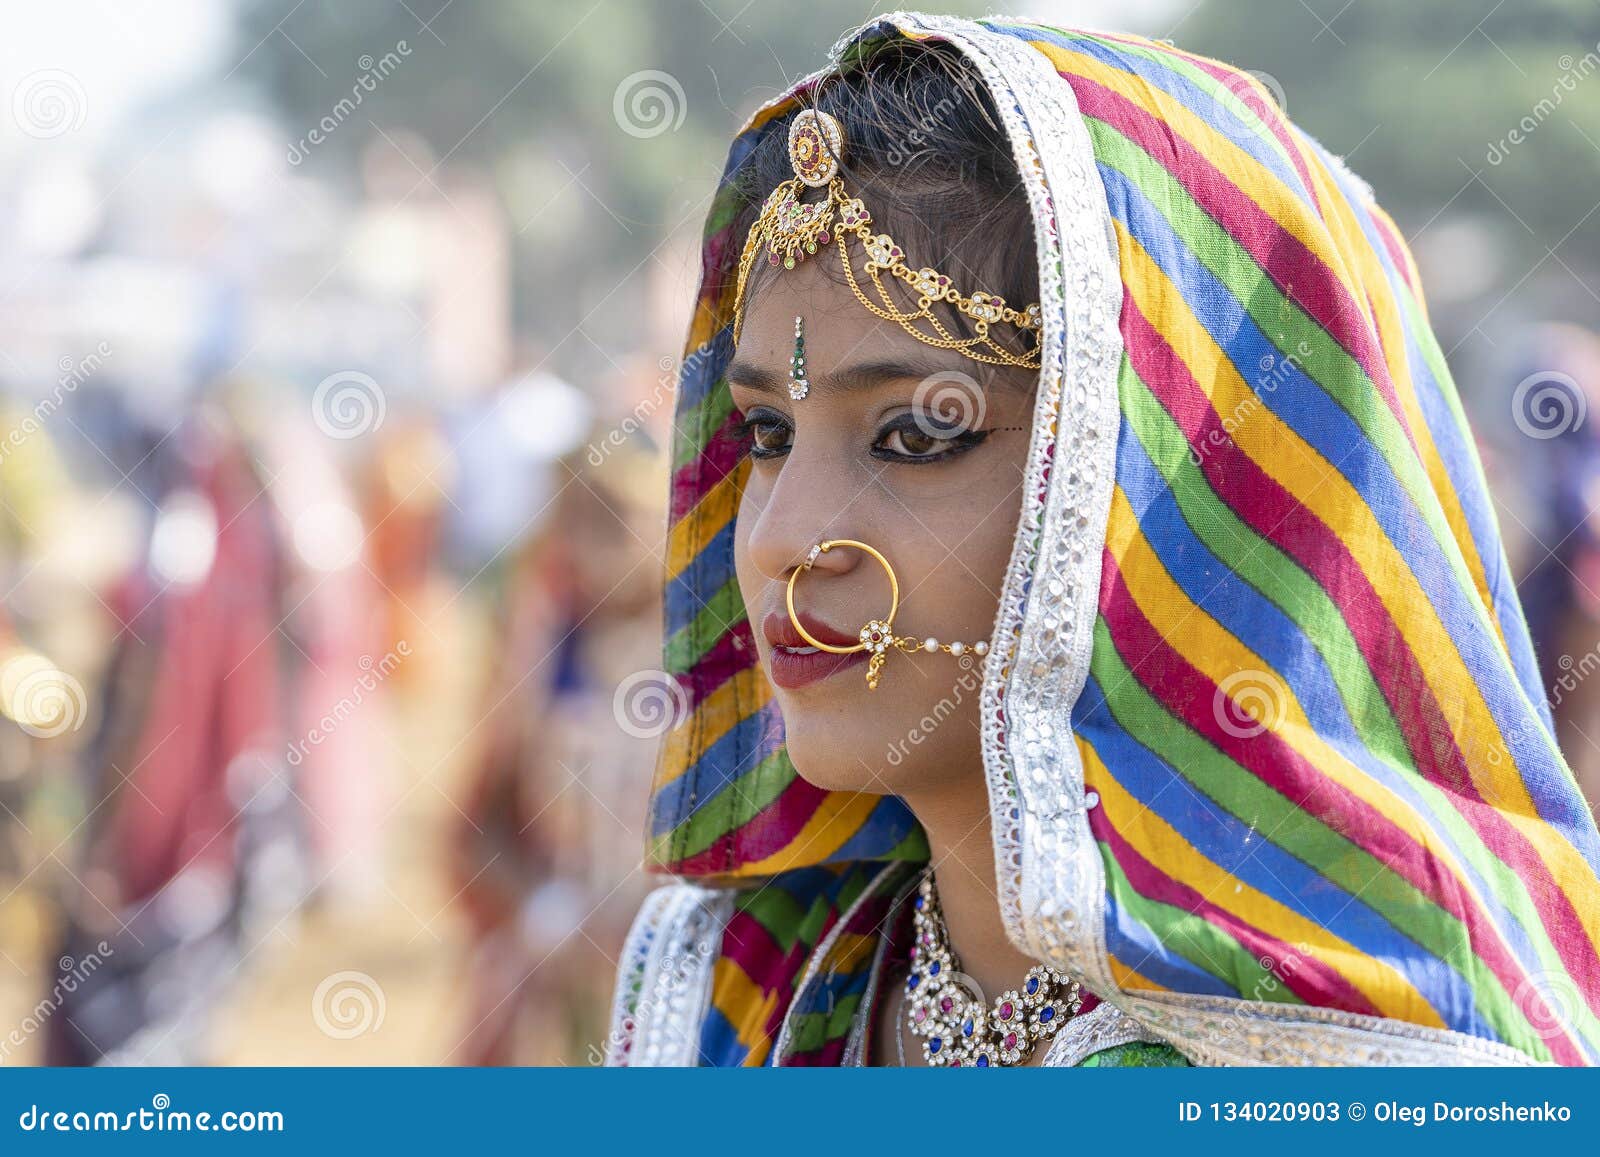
<point>1269,761</point>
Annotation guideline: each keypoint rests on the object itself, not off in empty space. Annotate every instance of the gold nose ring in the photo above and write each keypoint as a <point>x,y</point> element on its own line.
<point>877,635</point>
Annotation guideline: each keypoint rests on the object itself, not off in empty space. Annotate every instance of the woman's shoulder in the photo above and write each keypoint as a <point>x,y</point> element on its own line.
<point>664,975</point>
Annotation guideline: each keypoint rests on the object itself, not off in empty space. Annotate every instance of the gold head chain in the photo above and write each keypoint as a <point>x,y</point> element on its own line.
<point>792,230</point>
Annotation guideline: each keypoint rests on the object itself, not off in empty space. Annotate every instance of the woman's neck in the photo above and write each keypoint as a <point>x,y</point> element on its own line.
<point>962,853</point>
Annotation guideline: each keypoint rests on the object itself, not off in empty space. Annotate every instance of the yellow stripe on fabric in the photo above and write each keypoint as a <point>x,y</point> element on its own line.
<point>689,535</point>
<point>1217,653</point>
<point>1378,298</point>
<point>839,817</point>
<point>1253,179</point>
<point>748,1009</point>
<point>1339,242</point>
<point>1314,482</point>
<point>1389,990</point>
<point>1131,979</point>
<point>742,695</point>
<point>850,950</point>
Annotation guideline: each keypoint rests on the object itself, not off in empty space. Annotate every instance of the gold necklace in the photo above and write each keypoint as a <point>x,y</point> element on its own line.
<point>948,1011</point>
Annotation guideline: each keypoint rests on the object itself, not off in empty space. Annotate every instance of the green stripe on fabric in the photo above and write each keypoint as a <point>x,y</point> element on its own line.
<point>1199,77</point>
<point>1286,826</point>
<point>1299,337</point>
<point>705,419</point>
<point>812,1030</point>
<point>1205,945</point>
<point>1282,581</point>
<point>735,804</point>
<point>689,643</point>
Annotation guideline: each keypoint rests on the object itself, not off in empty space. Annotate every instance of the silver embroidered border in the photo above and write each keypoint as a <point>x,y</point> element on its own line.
<point>1105,1027</point>
<point>1048,867</point>
<point>663,985</point>
<point>818,954</point>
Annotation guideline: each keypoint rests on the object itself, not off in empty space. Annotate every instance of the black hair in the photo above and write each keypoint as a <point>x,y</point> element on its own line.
<point>927,152</point>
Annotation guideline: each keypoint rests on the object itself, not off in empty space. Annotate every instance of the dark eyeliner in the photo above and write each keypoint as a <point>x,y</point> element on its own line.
<point>960,440</point>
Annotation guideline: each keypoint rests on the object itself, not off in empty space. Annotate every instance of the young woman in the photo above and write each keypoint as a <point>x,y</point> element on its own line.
<point>1197,720</point>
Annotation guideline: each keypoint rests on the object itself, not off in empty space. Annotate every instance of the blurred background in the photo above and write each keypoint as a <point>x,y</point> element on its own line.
<point>337,352</point>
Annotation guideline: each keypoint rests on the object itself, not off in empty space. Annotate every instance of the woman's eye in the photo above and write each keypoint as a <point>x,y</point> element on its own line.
<point>768,438</point>
<point>916,439</point>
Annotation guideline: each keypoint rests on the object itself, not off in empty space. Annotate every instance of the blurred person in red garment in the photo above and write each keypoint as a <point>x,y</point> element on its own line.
<point>548,856</point>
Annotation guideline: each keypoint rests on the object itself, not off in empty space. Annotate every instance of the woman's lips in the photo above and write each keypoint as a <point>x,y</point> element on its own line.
<point>795,663</point>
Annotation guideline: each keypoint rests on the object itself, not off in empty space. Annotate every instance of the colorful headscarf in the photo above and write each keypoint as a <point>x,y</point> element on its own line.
<point>1270,765</point>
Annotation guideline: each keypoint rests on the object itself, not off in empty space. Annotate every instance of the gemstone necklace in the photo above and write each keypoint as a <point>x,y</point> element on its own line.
<point>957,1026</point>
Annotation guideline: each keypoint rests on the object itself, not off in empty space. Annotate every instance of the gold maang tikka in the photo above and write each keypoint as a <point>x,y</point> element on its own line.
<point>878,634</point>
<point>792,230</point>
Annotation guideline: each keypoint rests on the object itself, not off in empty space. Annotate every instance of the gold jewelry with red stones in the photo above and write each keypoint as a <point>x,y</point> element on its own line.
<point>792,230</point>
<point>878,634</point>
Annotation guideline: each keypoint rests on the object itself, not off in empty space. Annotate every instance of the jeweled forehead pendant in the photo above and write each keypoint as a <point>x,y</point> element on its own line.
<point>791,230</point>
<point>798,386</point>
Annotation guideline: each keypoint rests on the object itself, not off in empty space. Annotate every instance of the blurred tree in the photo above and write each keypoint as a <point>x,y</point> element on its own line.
<point>604,122</point>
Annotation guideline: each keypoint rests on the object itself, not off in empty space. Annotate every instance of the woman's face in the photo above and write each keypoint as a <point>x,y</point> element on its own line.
<point>897,445</point>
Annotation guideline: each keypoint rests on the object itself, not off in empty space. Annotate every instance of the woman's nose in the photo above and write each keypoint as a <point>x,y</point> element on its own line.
<point>804,507</point>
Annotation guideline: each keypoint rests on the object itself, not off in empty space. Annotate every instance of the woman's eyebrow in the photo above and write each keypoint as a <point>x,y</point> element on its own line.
<point>857,376</point>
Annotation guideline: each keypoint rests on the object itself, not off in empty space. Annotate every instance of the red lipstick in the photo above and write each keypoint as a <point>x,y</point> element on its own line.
<point>804,664</point>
